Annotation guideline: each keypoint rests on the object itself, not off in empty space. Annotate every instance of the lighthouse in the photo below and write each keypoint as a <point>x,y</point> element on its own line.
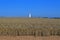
<point>29,15</point>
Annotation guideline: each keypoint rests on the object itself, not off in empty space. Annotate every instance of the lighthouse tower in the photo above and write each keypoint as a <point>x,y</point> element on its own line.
<point>29,15</point>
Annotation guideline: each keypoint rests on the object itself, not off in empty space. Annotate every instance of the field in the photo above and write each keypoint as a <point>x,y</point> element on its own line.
<point>29,28</point>
<point>29,38</point>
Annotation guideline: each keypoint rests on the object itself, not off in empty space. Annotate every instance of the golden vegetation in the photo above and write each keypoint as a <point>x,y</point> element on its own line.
<point>29,26</point>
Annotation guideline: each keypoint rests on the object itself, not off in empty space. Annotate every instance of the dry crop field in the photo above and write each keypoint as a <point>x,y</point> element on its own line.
<point>29,28</point>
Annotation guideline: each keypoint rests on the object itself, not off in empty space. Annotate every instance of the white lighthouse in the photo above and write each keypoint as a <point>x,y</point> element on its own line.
<point>29,15</point>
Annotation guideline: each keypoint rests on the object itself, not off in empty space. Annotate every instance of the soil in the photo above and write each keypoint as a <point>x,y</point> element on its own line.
<point>29,38</point>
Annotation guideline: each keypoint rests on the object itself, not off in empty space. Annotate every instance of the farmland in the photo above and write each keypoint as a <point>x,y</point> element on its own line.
<point>16,26</point>
<point>29,38</point>
<point>35,27</point>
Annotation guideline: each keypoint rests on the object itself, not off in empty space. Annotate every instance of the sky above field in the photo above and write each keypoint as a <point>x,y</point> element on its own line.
<point>38,8</point>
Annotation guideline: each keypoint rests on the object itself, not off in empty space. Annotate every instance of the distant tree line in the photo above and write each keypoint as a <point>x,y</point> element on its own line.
<point>48,17</point>
<point>32,17</point>
<point>55,17</point>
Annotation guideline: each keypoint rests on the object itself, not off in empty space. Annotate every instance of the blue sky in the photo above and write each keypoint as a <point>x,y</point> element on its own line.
<point>38,8</point>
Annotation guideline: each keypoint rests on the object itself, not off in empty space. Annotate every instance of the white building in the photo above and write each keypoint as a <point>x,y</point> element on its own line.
<point>29,15</point>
